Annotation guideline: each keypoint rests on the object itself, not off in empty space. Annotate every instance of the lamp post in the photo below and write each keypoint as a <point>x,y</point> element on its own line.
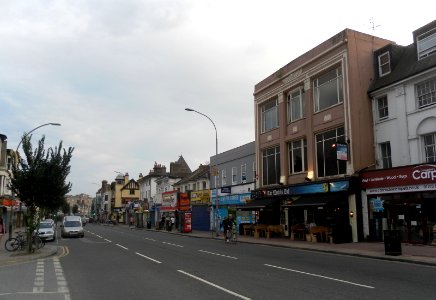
<point>16,156</point>
<point>216,166</point>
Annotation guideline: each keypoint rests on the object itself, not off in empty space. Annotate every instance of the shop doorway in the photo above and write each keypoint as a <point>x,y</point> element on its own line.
<point>406,214</point>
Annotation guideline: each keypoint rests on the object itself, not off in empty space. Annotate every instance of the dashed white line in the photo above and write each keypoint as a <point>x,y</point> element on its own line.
<point>38,284</point>
<point>214,285</point>
<point>149,258</point>
<point>108,240</point>
<point>175,245</point>
<point>122,247</point>
<point>321,276</point>
<point>217,254</point>
<point>60,278</point>
<point>149,239</point>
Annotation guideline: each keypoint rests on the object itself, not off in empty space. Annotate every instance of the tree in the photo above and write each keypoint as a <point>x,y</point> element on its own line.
<point>39,180</point>
<point>75,209</point>
<point>65,207</point>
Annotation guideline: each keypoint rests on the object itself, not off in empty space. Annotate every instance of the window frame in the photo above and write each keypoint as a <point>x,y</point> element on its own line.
<point>337,135</point>
<point>244,173</point>
<point>302,148</point>
<point>382,110</point>
<point>298,95</point>
<point>431,146</point>
<point>271,174</point>
<point>426,98</point>
<point>270,109</point>
<point>383,64</point>
<point>317,88</point>
<point>386,154</point>
<point>426,44</point>
<point>223,177</point>
<point>234,175</point>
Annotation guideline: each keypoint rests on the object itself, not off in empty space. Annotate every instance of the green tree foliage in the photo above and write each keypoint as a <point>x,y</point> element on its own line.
<point>65,207</point>
<point>39,180</point>
<point>75,209</point>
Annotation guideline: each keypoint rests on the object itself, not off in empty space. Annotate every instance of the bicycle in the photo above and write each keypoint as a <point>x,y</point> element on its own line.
<point>231,235</point>
<point>20,242</point>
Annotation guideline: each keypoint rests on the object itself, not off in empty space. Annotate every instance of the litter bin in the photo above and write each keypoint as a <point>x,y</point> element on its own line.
<point>392,239</point>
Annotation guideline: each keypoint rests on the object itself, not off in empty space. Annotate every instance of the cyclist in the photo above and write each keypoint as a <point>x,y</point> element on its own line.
<point>228,224</point>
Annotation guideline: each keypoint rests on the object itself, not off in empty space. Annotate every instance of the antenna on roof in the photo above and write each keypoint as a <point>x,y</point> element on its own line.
<point>372,22</point>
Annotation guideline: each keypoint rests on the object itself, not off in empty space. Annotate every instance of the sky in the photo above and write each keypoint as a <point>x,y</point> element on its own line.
<point>118,75</point>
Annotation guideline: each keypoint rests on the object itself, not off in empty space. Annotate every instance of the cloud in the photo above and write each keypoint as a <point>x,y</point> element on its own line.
<point>118,74</point>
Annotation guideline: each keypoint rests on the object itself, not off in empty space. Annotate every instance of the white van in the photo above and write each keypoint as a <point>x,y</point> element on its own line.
<point>72,227</point>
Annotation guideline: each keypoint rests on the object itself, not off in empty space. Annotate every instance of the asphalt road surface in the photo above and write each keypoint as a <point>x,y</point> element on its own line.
<point>115,262</point>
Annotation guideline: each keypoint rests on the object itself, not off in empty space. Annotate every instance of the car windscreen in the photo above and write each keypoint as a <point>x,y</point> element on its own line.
<point>72,224</point>
<point>45,225</point>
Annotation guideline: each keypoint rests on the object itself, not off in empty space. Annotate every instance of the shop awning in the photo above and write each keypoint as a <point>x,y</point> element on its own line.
<point>308,202</point>
<point>315,200</point>
<point>258,204</point>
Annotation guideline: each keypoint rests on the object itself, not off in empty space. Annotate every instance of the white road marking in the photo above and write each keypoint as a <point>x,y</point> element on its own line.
<point>149,239</point>
<point>60,278</point>
<point>204,251</point>
<point>108,240</point>
<point>99,236</point>
<point>38,285</point>
<point>149,258</point>
<point>122,247</point>
<point>175,245</point>
<point>214,285</point>
<point>321,276</point>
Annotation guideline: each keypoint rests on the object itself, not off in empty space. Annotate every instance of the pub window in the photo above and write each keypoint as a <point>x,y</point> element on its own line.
<point>271,166</point>
<point>326,156</point>
<point>328,90</point>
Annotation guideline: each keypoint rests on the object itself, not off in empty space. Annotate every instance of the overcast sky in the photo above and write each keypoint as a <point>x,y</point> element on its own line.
<point>118,74</point>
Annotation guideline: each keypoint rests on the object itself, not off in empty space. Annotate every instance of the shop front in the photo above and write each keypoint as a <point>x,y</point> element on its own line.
<point>228,204</point>
<point>403,199</point>
<point>328,205</point>
<point>200,205</point>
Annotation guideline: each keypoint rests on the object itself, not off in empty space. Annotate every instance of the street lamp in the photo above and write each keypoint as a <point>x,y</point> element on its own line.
<point>16,156</point>
<point>216,167</point>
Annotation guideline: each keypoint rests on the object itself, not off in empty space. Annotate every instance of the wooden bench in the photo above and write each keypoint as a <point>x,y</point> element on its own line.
<point>298,231</point>
<point>259,230</point>
<point>248,229</point>
<point>321,231</point>
<point>274,230</point>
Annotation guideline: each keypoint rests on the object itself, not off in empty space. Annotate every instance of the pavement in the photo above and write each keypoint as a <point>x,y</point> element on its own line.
<point>410,253</point>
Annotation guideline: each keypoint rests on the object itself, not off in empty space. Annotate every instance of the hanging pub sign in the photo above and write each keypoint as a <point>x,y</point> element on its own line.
<point>341,151</point>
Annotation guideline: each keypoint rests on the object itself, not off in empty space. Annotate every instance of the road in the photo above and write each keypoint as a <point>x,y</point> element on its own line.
<point>115,262</point>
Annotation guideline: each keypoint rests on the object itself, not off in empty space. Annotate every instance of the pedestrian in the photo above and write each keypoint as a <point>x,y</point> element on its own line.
<point>172,222</point>
<point>162,223</point>
<point>2,227</point>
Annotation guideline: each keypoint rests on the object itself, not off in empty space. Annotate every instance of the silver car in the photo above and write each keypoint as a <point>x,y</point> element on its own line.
<point>46,231</point>
<point>72,228</point>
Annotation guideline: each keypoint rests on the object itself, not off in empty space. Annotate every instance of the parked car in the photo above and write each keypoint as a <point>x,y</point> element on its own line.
<point>72,227</point>
<point>46,231</point>
<point>85,220</point>
<point>51,221</point>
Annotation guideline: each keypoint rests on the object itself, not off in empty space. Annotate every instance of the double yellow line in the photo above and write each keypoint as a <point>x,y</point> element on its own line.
<point>65,252</point>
